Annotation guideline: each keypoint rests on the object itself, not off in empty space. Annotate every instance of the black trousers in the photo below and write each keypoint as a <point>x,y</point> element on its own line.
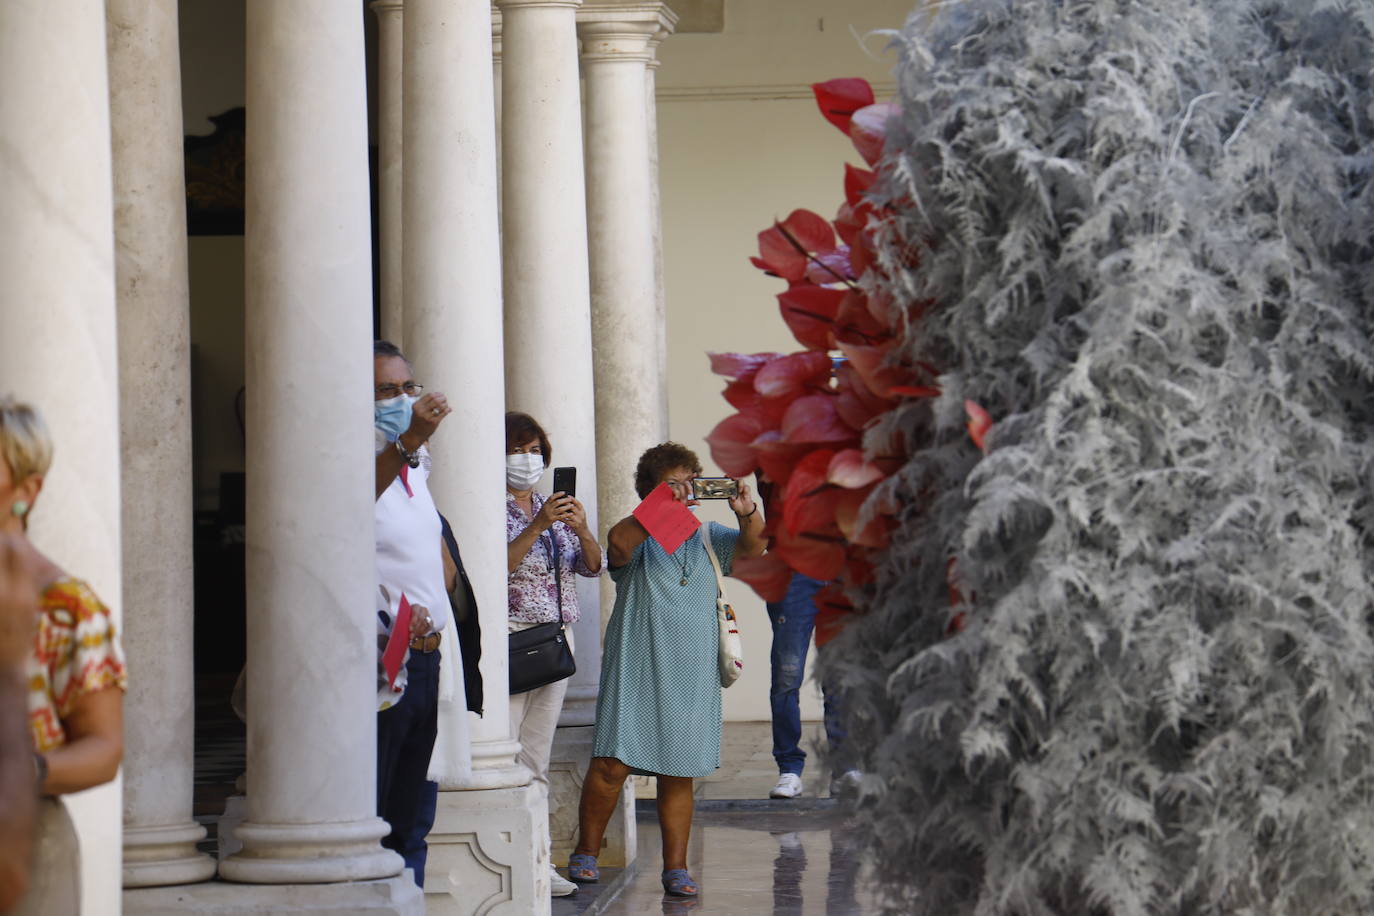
<point>405,739</point>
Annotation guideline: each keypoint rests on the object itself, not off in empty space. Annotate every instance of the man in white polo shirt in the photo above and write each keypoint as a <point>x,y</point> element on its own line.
<point>409,565</point>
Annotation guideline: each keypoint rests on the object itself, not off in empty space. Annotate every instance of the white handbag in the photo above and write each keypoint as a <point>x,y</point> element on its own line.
<point>731,649</point>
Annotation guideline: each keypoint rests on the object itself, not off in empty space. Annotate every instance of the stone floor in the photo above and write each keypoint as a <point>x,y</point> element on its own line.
<point>752,855</point>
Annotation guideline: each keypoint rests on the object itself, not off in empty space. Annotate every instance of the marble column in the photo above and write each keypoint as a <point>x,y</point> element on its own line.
<point>548,319</point>
<point>154,329</point>
<point>486,848</point>
<point>390,57</point>
<point>617,46</point>
<point>58,344</point>
<point>311,695</point>
<point>660,287</point>
<point>496,94</point>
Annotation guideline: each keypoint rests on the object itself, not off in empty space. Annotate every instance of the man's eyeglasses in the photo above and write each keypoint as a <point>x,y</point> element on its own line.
<point>386,392</point>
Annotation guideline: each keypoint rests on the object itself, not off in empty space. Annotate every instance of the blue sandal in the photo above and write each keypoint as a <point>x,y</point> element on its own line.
<point>677,883</point>
<point>582,869</point>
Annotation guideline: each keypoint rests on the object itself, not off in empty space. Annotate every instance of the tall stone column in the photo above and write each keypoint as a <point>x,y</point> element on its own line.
<point>486,848</point>
<point>548,319</point>
<point>311,694</point>
<point>58,344</point>
<point>660,287</point>
<point>496,94</point>
<point>617,47</point>
<point>390,58</point>
<point>155,408</point>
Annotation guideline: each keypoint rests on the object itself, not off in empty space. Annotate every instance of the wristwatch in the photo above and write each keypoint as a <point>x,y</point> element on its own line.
<point>410,458</point>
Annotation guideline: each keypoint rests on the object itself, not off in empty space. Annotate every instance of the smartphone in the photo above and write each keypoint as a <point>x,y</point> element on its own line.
<point>714,488</point>
<point>565,481</point>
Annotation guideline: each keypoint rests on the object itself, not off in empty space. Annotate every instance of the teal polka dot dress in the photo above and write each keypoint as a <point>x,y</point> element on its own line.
<point>659,707</point>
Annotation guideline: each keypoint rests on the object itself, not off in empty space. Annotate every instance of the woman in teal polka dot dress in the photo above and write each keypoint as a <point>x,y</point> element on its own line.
<point>658,711</point>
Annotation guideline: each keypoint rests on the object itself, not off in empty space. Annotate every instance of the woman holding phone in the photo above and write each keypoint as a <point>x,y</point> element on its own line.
<point>548,544</point>
<point>658,709</point>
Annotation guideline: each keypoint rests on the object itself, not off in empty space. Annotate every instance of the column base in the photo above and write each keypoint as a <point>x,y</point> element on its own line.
<point>389,897</point>
<point>572,751</point>
<point>156,856</point>
<point>487,854</point>
<point>311,853</point>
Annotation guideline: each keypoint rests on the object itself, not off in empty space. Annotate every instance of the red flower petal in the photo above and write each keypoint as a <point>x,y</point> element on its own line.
<point>840,98</point>
<point>868,130</point>
<point>809,312</point>
<point>914,391</point>
<point>731,446</point>
<point>777,457</point>
<point>819,557</point>
<point>849,469</point>
<point>739,365</point>
<point>978,424</point>
<point>857,181</point>
<point>834,610</point>
<point>830,267</point>
<point>790,376</point>
<point>808,499</point>
<point>813,419</point>
<point>767,575</point>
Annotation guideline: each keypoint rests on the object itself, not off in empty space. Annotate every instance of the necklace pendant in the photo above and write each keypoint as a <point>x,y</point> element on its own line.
<point>684,581</point>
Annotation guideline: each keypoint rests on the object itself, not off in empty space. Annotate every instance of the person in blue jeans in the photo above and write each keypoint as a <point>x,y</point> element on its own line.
<point>793,619</point>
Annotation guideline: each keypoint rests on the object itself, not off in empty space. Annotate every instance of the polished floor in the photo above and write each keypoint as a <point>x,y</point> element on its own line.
<point>752,856</point>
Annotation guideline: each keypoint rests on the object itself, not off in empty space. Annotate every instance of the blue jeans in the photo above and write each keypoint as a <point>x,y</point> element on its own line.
<point>405,738</point>
<point>793,620</point>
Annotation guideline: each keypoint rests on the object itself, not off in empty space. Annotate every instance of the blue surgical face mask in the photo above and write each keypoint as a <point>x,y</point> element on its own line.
<point>392,416</point>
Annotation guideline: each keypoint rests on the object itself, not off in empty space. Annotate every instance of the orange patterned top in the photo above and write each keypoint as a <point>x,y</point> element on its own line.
<point>75,652</point>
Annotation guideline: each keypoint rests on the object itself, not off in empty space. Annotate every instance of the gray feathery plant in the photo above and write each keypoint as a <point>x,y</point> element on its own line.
<point>1148,226</point>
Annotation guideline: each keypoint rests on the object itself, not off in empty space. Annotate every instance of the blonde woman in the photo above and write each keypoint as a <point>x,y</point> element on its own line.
<point>75,668</point>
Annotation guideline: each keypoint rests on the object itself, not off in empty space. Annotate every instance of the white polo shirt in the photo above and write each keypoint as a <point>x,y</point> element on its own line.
<point>409,557</point>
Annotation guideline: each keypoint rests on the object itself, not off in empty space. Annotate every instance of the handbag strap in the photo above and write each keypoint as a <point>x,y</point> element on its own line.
<point>715,562</point>
<point>557,573</point>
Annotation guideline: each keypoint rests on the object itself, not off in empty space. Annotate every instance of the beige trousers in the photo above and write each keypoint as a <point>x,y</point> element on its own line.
<point>534,721</point>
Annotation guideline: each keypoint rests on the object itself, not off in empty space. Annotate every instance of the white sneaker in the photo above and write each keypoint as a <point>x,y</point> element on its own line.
<point>560,886</point>
<point>789,786</point>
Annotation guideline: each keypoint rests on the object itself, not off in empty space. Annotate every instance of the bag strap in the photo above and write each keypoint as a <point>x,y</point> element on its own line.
<point>715,561</point>
<point>557,573</point>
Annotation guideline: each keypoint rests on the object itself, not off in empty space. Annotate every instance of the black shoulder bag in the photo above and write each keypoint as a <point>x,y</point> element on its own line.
<point>540,655</point>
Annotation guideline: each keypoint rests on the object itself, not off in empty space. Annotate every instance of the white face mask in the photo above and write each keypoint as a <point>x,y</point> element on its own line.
<point>524,471</point>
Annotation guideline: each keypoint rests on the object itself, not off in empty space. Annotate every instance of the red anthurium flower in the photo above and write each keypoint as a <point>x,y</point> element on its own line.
<point>810,314</point>
<point>849,469</point>
<point>855,324</point>
<point>813,419</point>
<point>767,575</point>
<point>790,376</point>
<point>868,130</point>
<point>915,391</point>
<point>840,98</point>
<point>834,610</point>
<point>857,181</point>
<point>818,556</point>
<point>739,365</point>
<point>777,457</point>
<point>978,424</point>
<point>809,499</point>
<point>731,446</point>
<point>785,248</point>
<point>830,267</point>
<point>873,531</point>
<point>870,362</point>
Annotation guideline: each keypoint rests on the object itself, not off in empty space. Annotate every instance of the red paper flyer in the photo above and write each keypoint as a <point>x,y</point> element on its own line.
<point>668,521</point>
<point>394,655</point>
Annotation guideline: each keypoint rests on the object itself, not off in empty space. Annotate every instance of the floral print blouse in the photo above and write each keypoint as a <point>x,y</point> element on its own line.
<point>75,653</point>
<point>533,596</point>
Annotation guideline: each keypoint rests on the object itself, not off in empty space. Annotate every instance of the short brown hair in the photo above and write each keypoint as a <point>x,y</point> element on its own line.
<point>658,461</point>
<point>521,428</point>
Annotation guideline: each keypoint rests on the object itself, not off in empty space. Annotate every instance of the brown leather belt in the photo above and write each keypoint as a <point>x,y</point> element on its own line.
<point>425,644</point>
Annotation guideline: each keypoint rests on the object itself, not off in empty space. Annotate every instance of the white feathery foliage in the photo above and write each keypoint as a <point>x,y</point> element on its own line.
<point>1148,228</point>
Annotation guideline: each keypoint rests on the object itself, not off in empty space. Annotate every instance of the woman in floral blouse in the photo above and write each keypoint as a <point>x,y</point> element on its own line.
<point>543,535</point>
<point>75,669</point>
